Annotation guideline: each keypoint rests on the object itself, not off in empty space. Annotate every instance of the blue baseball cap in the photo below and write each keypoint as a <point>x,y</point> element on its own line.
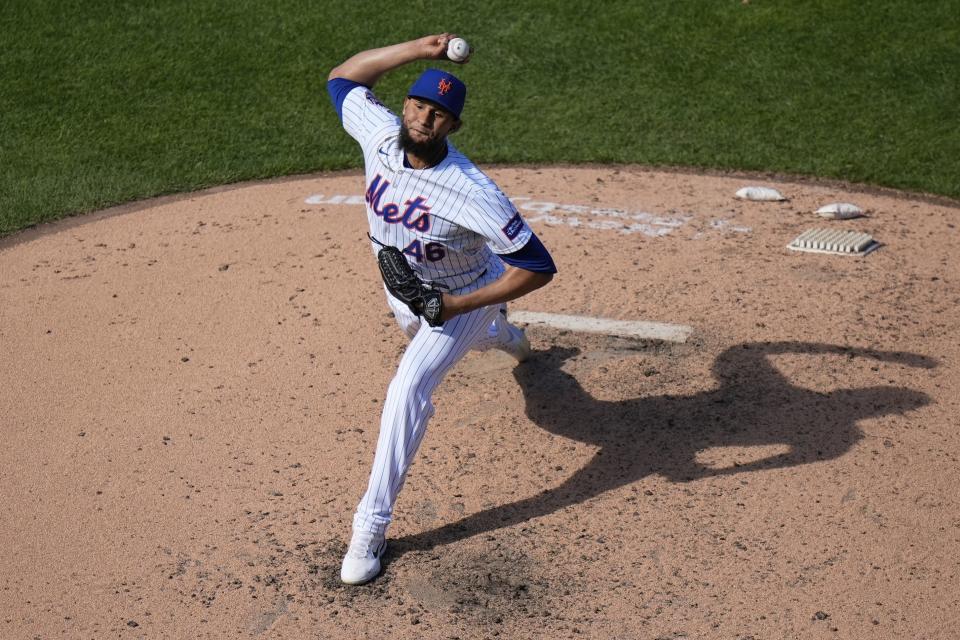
<point>445,89</point>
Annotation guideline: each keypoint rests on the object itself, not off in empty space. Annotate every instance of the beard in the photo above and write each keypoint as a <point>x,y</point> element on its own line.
<point>430,150</point>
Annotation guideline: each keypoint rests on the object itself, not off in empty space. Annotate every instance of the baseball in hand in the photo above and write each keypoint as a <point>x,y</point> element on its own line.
<point>458,50</point>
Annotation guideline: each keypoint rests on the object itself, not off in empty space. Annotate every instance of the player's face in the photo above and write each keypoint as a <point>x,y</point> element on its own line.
<point>426,123</point>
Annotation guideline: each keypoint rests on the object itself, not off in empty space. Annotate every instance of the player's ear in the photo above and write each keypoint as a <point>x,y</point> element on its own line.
<point>456,126</point>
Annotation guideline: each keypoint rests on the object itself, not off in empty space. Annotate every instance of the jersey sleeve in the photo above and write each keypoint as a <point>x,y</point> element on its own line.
<point>491,214</point>
<point>364,117</point>
<point>533,256</point>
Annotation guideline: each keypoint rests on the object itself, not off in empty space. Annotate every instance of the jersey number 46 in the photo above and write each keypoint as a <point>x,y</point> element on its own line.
<point>431,251</point>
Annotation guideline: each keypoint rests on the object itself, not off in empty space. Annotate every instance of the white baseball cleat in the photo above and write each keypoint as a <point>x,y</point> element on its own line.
<point>518,346</point>
<point>503,336</point>
<point>362,562</point>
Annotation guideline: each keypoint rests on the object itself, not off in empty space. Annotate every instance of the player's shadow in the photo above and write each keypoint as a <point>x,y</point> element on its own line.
<point>754,404</point>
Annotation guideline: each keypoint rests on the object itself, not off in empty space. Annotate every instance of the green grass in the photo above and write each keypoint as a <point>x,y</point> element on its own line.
<point>103,102</point>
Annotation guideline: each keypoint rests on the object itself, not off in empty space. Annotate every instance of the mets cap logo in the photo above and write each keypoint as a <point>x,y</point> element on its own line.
<point>444,86</point>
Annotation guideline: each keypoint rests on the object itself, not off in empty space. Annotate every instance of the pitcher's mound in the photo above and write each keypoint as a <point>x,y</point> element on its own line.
<point>192,390</point>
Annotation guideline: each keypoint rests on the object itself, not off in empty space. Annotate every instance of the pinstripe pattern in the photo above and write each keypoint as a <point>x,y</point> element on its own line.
<point>431,354</point>
<point>467,210</point>
<point>470,221</point>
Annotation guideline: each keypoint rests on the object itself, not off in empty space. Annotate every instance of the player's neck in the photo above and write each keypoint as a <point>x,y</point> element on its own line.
<point>414,161</point>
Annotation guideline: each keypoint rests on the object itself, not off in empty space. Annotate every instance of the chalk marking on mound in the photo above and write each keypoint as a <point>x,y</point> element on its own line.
<point>636,329</point>
<point>580,216</point>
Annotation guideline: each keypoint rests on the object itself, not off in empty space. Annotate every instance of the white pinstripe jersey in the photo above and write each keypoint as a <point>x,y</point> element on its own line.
<point>449,220</point>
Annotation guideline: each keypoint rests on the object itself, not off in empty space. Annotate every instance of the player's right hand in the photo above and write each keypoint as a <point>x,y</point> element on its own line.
<point>435,47</point>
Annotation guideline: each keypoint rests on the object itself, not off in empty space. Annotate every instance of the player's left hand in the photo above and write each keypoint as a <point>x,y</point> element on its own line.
<point>402,282</point>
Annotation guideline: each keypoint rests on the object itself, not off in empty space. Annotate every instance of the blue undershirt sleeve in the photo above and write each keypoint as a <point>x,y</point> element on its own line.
<point>338,88</point>
<point>533,256</point>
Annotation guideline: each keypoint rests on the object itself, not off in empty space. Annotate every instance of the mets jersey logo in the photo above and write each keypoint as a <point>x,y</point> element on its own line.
<point>415,214</point>
<point>444,86</point>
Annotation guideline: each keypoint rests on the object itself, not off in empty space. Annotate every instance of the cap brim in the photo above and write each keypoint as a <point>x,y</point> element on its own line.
<point>434,103</point>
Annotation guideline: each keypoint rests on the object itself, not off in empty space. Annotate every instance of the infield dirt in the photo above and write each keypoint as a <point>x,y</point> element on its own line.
<point>191,393</point>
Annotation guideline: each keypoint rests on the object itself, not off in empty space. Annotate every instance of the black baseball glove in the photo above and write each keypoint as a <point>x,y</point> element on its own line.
<point>403,283</point>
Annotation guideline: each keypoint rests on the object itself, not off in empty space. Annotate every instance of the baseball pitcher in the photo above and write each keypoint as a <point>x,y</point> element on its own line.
<point>450,246</point>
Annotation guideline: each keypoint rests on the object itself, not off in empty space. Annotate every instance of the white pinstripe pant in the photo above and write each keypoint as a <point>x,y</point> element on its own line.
<point>432,352</point>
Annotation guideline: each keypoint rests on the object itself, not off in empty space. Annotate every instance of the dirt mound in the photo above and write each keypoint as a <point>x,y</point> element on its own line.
<point>191,399</point>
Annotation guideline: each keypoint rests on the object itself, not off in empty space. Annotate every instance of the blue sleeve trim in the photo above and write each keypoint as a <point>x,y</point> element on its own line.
<point>338,88</point>
<point>532,257</point>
